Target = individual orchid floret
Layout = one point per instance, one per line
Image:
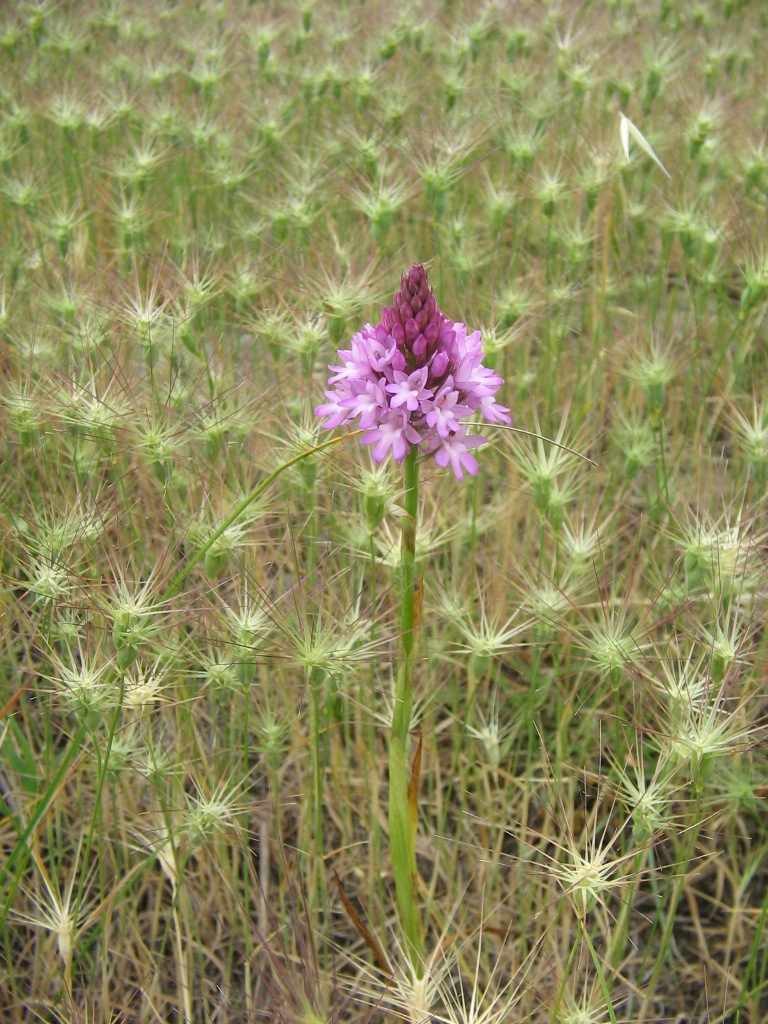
(413, 380)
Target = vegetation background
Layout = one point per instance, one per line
(199, 203)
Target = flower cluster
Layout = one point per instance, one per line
(412, 379)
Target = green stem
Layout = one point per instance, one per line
(752, 968)
(401, 718)
(403, 810)
(245, 862)
(668, 913)
(659, 433)
(368, 694)
(598, 971)
(316, 682)
(23, 848)
(621, 936)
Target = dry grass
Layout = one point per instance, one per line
(198, 205)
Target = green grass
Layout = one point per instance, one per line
(199, 204)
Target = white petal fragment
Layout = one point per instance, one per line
(626, 128)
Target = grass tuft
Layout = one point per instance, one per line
(199, 204)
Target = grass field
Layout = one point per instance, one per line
(202, 639)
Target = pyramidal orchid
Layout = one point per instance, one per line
(413, 380)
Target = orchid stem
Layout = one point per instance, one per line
(403, 808)
(401, 718)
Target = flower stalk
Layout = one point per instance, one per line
(401, 718)
(412, 382)
(403, 785)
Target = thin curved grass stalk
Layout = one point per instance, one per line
(241, 507)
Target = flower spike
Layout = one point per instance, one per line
(413, 379)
